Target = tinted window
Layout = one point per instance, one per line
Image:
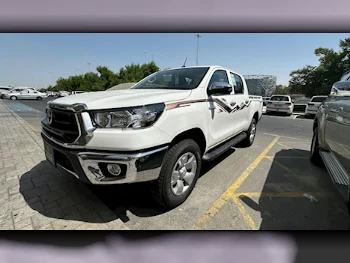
(237, 83)
(279, 98)
(219, 76)
(318, 99)
(184, 78)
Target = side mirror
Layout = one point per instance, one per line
(220, 88)
(292, 101)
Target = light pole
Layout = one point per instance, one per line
(197, 36)
(51, 78)
(144, 51)
(89, 66)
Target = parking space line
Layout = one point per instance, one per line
(287, 157)
(284, 194)
(206, 218)
(292, 149)
(298, 176)
(247, 218)
(292, 138)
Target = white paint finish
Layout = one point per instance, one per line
(217, 124)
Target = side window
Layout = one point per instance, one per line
(219, 76)
(237, 83)
(345, 87)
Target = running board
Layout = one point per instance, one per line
(216, 152)
(337, 173)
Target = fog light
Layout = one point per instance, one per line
(114, 169)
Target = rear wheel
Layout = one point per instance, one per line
(315, 156)
(2, 96)
(13, 98)
(179, 174)
(247, 142)
(39, 98)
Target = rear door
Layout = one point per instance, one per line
(242, 103)
(220, 114)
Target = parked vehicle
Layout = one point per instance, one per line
(312, 106)
(160, 130)
(63, 94)
(77, 92)
(330, 145)
(265, 100)
(4, 90)
(26, 95)
(14, 90)
(280, 104)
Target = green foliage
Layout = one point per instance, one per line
(104, 78)
(318, 80)
(282, 90)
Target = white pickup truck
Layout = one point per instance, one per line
(160, 130)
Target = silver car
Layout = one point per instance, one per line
(26, 95)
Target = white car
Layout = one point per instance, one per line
(280, 104)
(161, 130)
(26, 95)
(4, 90)
(63, 94)
(312, 107)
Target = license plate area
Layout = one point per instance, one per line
(49, 154)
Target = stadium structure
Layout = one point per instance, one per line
(261, 85)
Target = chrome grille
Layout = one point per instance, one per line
(64, 126)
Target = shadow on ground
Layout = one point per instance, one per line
(56, 194)
(295, 176)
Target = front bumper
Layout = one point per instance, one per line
(88, 165)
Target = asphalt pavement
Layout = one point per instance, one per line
(260, 187)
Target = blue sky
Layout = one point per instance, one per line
(39, 59)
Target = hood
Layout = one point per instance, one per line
(123, 98)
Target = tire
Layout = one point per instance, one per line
(2, 96)
(39, 98)
(13, 98)
(163, 189)
(247, 142)
(315, 156)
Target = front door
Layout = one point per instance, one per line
(221, 117)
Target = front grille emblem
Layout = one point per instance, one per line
(49, 116)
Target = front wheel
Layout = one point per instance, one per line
(13, 98)
(178, 176)
(39, 98)
(247, 142)
(315, 156)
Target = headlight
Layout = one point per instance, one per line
(135, 118)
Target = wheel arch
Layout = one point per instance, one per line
(195, 134)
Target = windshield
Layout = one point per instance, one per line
(318, 99)
(184, 78)
(279, 98)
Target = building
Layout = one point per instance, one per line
(261, 85)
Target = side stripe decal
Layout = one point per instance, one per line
(230, 108)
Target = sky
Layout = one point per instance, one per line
(38, 60)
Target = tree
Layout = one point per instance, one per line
(318, 80)
(104, 78)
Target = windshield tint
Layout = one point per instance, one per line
(279, 98)
(318, 99)
(184, 78)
